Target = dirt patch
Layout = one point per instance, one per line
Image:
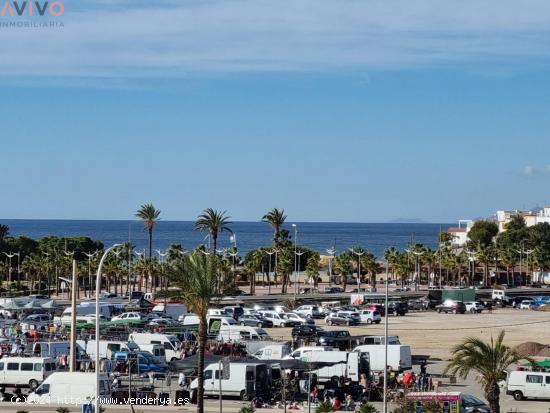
(530, 348)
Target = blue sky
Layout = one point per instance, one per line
(360, 111)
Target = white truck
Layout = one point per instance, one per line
(170, 343)
(343, 364)
(62, 388)
(399, 356)
(527, 385)
(245, 380)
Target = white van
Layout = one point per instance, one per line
(70, 388)
(275, 317)
(157, 351)
(83, 309)
(53, 349)
(241, 333)
(106, 348)
(527, 385)
(170, 343)
(273, 352)
(399, 356)
(245, 380)
(380, 340)
(25, 371)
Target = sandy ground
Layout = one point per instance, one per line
(429, 333)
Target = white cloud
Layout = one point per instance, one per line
(165, 38)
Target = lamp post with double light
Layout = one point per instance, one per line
(97, 336)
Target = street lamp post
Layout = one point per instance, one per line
(359, 254)
(269, 253)
(90, 256)
(295, 261)
(330, 252)
(385, 397)
(163, 285)
(10, 255)
(416, 266)
(97, 288)
(299, 255)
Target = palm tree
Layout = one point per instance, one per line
(489, 360)
(213, 222)
(4, 231)
(196, 276)
(149, 215)
(276, 218)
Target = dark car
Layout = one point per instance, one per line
(135, 295)
(449, 306)
(346, 318)
(305, 331)
(376, 307)
(398, 308)
(333, 290)
(255, 321)
(336, 338)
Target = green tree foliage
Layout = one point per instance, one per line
(482, 233)
(487, 360)
(149, 215)
(214, 222)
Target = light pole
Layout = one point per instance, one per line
(385, 397)
(10, 255)
(359, 254)
(330, 252)
(416, 266)
(90, 256)
(269, 253)
(527, 254)
(162, 255)
(295, 261)
(69, 255)
(97, 288)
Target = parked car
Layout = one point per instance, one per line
(297, 318)
(309, 311)
(335, 338)
(398, 308)
(305, 331)
(130, 316)
(370, 316)
(276, 319)
(255, 321)
(38, 318)
(376, 307)
(347, 318)
(527, 304)
(516, 301)
(474, 307)
(134, 295)
(333, 290)
(450, 306)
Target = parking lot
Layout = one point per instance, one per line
(433, 334)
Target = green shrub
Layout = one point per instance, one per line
(324, 407)
(366, 408)
(247, 409)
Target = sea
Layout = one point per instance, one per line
(320, 236)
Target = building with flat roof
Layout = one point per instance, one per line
(530, 217)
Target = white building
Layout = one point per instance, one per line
(531, 218)
(460, 233)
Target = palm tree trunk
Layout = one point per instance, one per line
(150, 243)
(492, 394)
(200, 365)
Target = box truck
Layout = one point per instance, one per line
(399, 356)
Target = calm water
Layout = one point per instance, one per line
(319, 236)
